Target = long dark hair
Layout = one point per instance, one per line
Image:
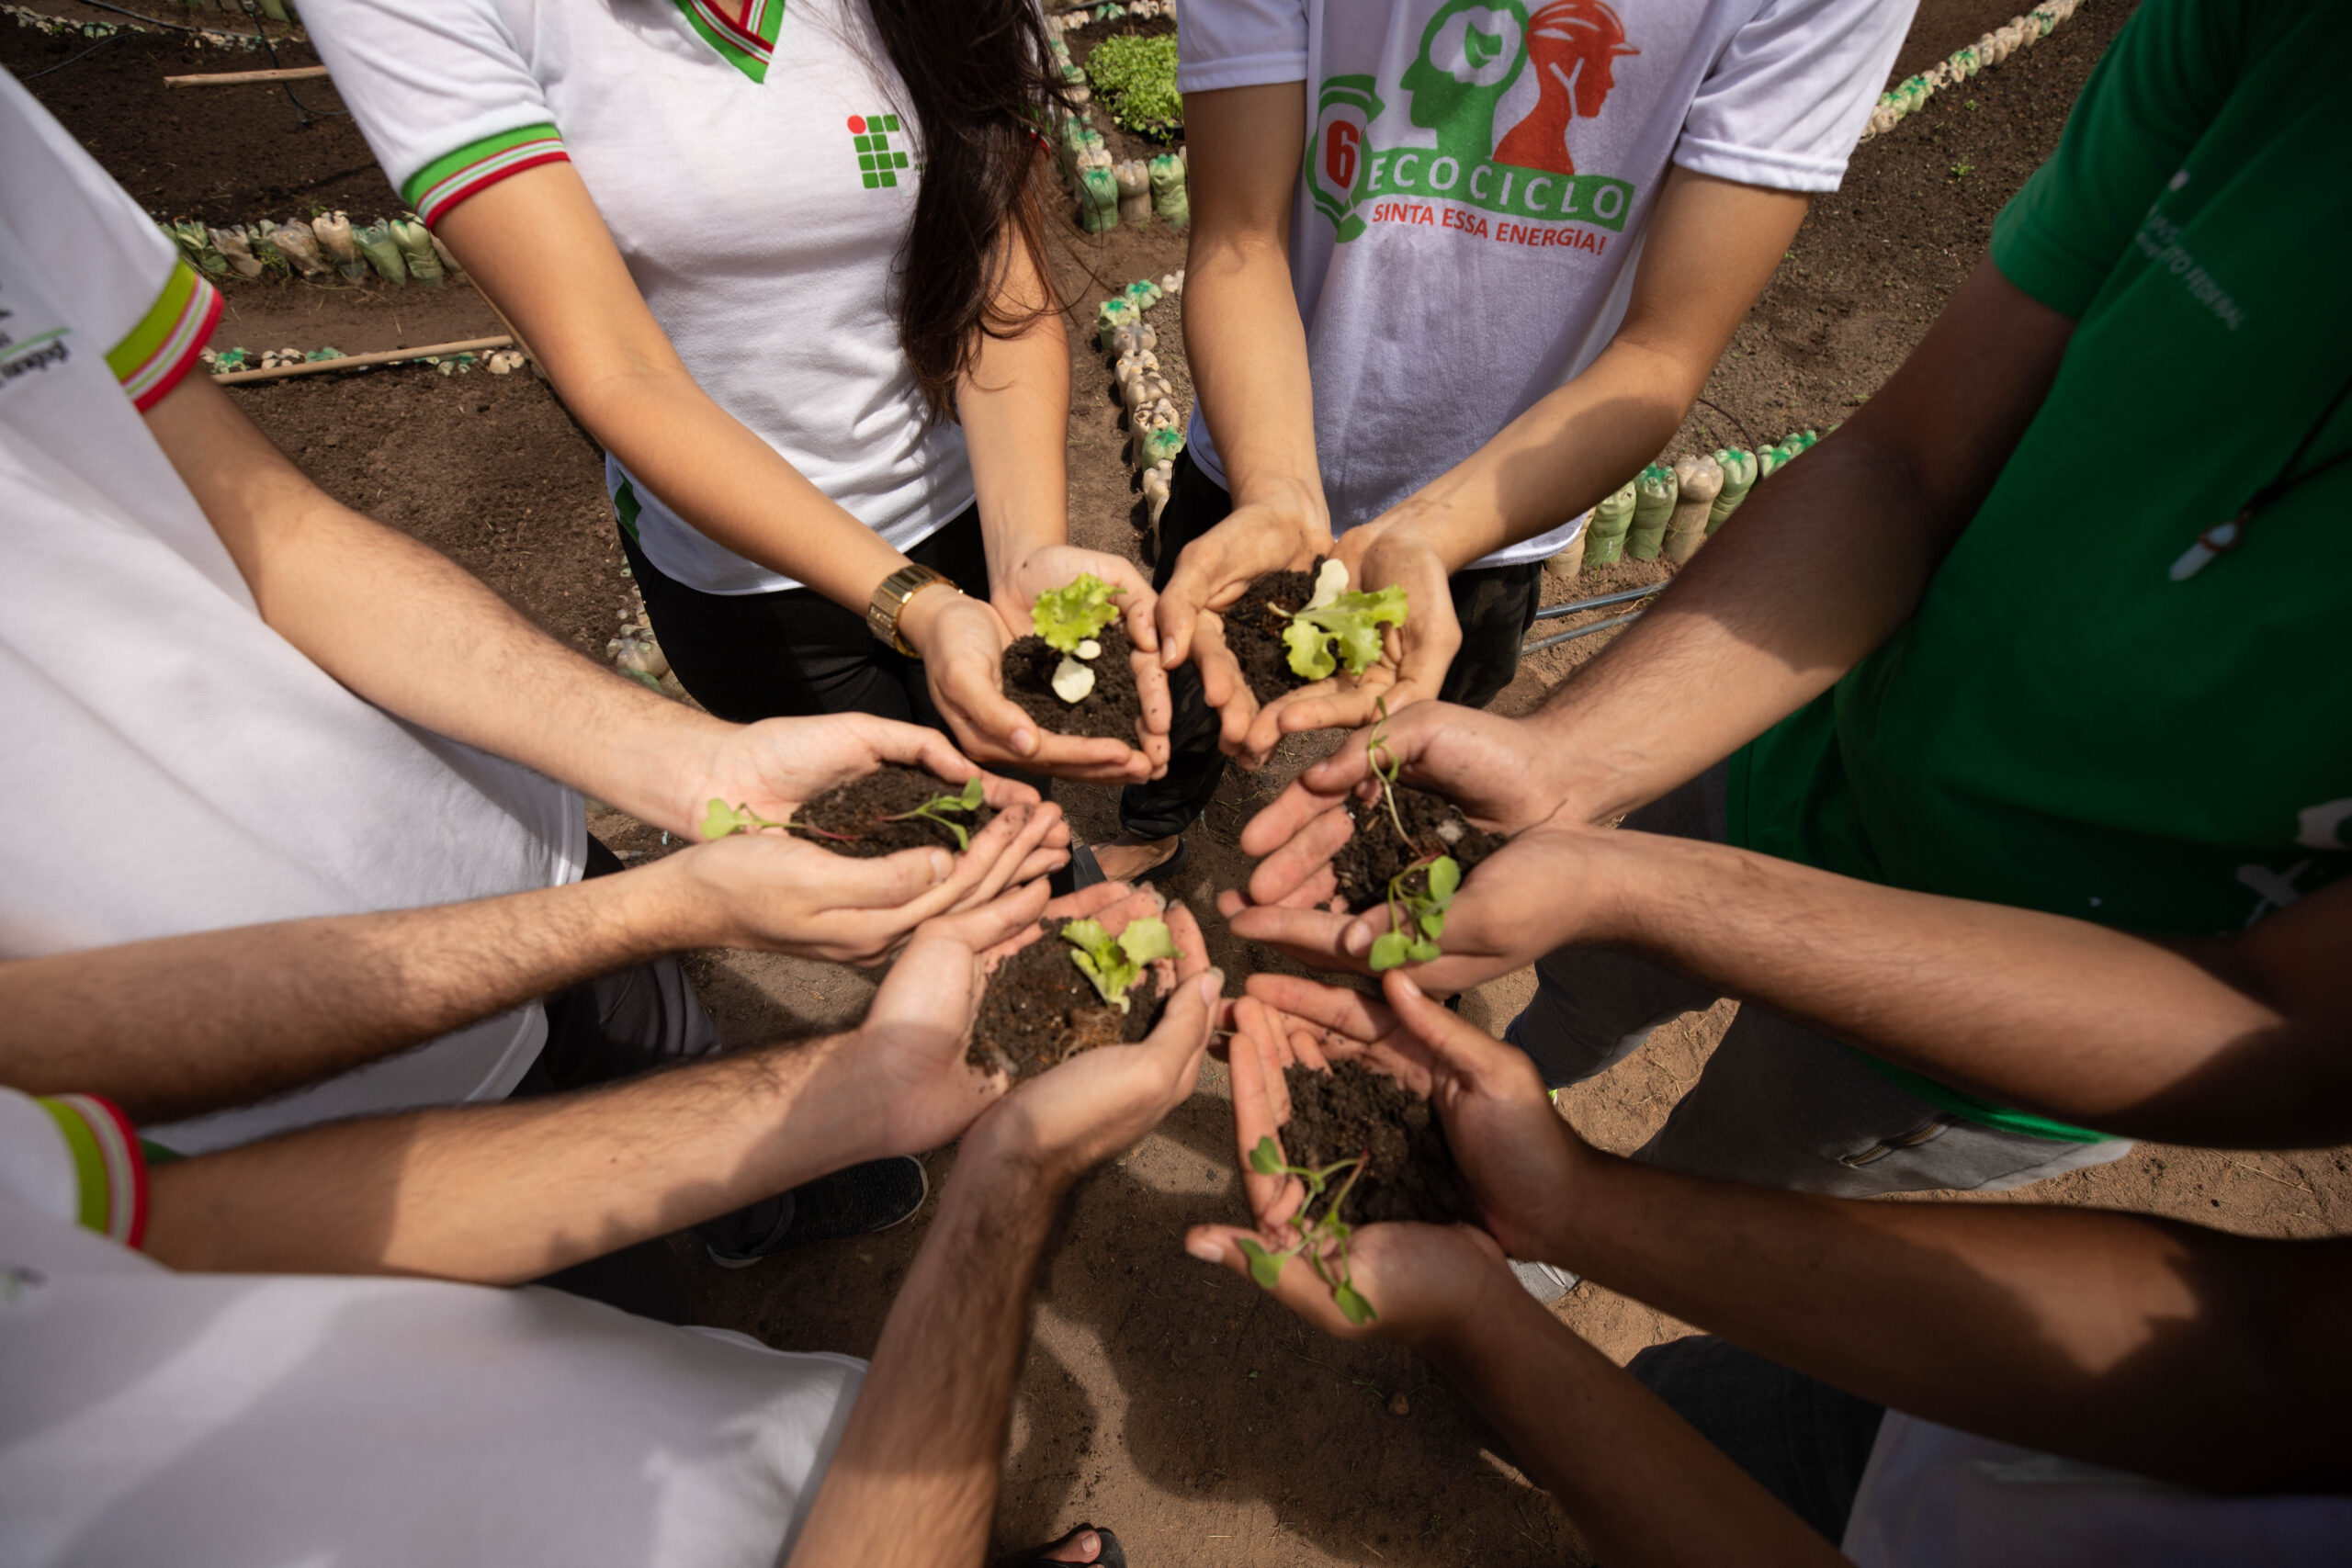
(982, 103)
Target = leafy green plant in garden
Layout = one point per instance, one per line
(1070, 615)
(1135, 78)
(1416, 915)
(1322, 1238)
(1115, 962)
(1350, 625)
(722, 819)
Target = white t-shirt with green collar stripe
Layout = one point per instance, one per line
(179, 765)
(759, 181)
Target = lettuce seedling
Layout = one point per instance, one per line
(1351, 623)
(1416, 916)
(722, 819)
(1116, 963)
(1067, 616)
(1318, 1236)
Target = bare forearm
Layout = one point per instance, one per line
(184, 1025)
(915, 1479)
(2074, 1021)
(504, 1193)
(1570, 450)
(1819, 568)
(2115, 1339)
(1014, 406)
(1643, 1486)
(1246, 349)
(411, 632)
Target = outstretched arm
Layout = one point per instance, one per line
(179, 1026)
(915, 1480)
(2163, 1348)
(500, 1193)
(1710, 249)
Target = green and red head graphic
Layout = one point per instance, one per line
(1472, 54)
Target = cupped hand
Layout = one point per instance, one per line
(909, 1053)
(1058, 566)
(1421, 1280)
(1380, 554)
(962, 641)
(1525, 1167)
(1212, 572)
(778, 765)
(1072, 1118)
(779, 892)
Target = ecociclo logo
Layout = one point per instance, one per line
(1472, 54)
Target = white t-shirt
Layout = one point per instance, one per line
(759, 184)
(178, 766)
(1478, 177)
(243, 1420)
(1933, 1497)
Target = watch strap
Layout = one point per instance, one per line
(890, 598)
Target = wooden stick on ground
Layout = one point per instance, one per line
(362, 361)
(234, 78)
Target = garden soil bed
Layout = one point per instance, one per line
(1368, 861)
(1409, 1171)
(861, 808)
(1040, 1010)
(1111, 711)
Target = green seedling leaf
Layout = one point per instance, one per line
(1265, 1268)
(1068, 615)
(722, 819)
(1351, 625)
(1433, 923)
(975, 791)
(1266, 1159)
(1445, 877)
(1146, 940)
(1114, 964)
(1423, 953)
(1388, 950)
(1351, 1305)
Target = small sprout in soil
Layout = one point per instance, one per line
(1116, 963)
(1416, 915)
(1068, 618)
(1326, 1233)
(722, 819)
(1351, 622)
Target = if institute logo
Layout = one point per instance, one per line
(878, 162)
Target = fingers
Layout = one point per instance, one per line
(1311, 936)
(1296, 1288)
(1192, 946)
(1293, 862)
(1039, 823)
(1338, 1008)
(1222, 686)
(999, 920)
(1261, 1106)
(1138, 607)
(935, 985)
(888, 882)
(1158, 707)
(1461, 1046)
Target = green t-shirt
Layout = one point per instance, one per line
(2062, 726)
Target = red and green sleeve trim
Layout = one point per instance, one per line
(107, 1164)
(434, 189)
(747, 45)
(160, 349)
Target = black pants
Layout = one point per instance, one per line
(1494, 605)
(794, 652)
(1802, 1441)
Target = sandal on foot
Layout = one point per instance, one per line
(1108, 1552)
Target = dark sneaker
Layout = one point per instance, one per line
(858, 1201)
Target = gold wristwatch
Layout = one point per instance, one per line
(890, 601)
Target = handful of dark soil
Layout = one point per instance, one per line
(1039, 1011)
(1435, 825)
(1253, 630)
(1408, 1172)
(852, 819)
(1111, 711)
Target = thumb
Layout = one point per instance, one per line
(935, 983)
(1461, 1046)
(1220, 1245)
(889, 881)
(1184, 1025)
(1174, 613)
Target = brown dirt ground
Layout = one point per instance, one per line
(1166, 1400)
